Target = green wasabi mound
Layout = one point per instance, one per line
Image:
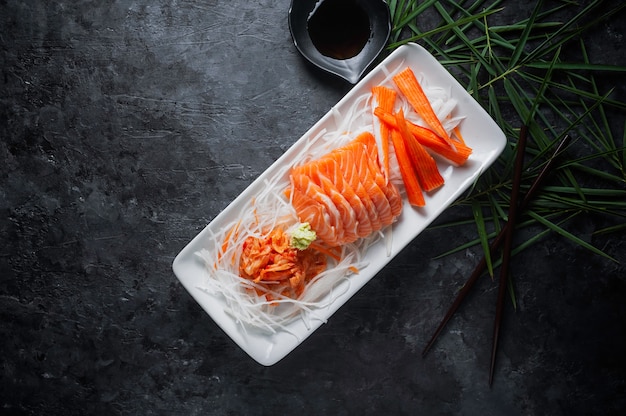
(302, 236)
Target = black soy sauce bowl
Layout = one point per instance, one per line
(350, 69)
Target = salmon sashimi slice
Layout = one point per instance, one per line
(391, 192)
(345, 195)
(346, 159)
(364, 167)
(332, 169)
(328, 227)
(369, 141)
(314, 213)
(316, 171)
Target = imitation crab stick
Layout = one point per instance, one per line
(423, 163)
(411, 184)
(457, 154)
(412, 90)
(385, 99)
(429, 139)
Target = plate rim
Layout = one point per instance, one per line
(270, 354)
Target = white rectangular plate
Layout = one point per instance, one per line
(480, 133)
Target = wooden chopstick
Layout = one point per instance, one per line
(508, 243)
(495, 244)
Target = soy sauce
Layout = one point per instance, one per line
(339, 29)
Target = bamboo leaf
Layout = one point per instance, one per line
(523, 39)
(624, 152)
(564, 33)
(552, 226)
(442, 29)
(511, 290)
(612, 229)
(542, 89)
(571, 66)
(482, 234)
(517, 72)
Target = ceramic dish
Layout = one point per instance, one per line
(480, 132)
(349, 69)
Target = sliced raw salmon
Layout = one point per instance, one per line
(392, 192)
(315, 207)
(345, 157)
(317, 172)
(330, 167)
(344, 195)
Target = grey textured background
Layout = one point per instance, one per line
(127, 125)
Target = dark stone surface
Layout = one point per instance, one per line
(126, 126)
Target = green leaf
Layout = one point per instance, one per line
(564, 66)
(482, 234)
(441, 29)
(552, 226)
(526, 71)
(523, 39)
(542, 88)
